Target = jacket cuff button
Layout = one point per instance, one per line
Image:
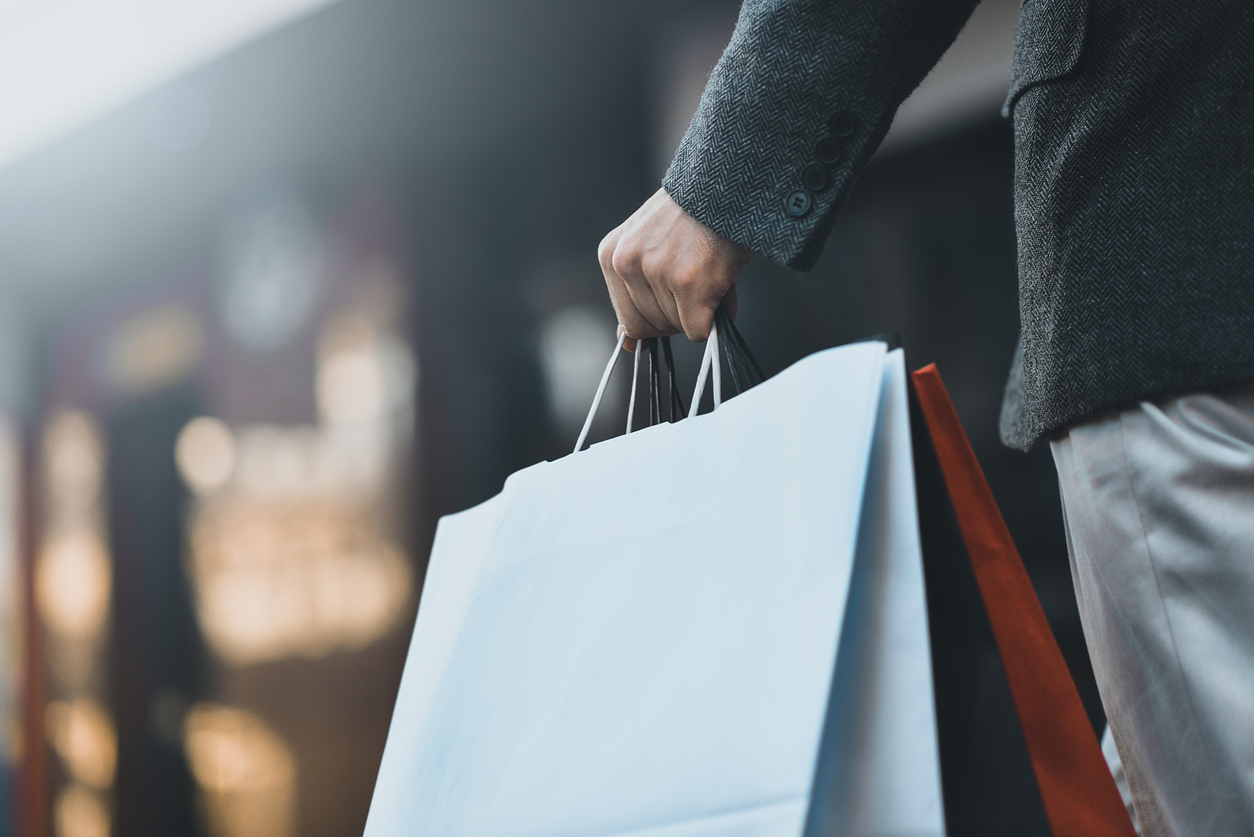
(829, 149)
(842, 123)
(815, 177)
(798, 203)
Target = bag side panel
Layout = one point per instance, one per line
(878, 773)
(457, 553)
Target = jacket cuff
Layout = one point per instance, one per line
(798, 103)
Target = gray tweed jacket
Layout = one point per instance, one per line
(1134, 175)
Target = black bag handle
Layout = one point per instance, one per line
(742, 367)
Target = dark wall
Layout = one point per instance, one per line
(158, 653)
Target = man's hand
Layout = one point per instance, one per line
(666, 271)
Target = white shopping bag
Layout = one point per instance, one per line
(711, 627)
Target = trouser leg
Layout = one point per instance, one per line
(1158, 502)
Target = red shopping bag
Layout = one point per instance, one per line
(963, 535)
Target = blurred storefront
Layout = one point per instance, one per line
(225, 562)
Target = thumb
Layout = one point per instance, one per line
(629, 345)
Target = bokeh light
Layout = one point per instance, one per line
(154, 349)
(205, 454)
(73, 462)
(351, 386)
(289, 554)
(73, 587)
(80, 812)
(246, 773)
(73, 582)
(83, 736)
(298, 579)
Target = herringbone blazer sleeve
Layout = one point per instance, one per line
(799, 101)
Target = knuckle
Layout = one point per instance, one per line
(696, 322)
(623, 262)
(696, 334)
(688, 280)
(605, 253)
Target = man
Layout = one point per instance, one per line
(1134, 208)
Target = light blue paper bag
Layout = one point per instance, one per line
(641, 639)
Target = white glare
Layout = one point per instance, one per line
(271, 274)
(574, 345)
(66, 62)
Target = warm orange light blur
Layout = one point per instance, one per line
(351, 387)
(84, 737)
(364, 372)
(73, 582)
(155, 349)
(246, 773)
(301, 578)
(289, 548)
(73, 463)
(79, 812)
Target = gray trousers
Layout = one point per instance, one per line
(1158, 502)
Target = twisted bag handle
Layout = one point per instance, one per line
(743, 371)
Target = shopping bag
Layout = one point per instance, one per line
(710, 627)
(982, 606)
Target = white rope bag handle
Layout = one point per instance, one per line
(709, 361)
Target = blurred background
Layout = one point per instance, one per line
(283, 281)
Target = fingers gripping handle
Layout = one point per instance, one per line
(709, 362)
